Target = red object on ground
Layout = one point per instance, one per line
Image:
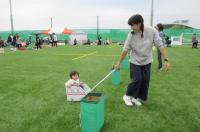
(21, 48)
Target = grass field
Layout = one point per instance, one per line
(32, 92)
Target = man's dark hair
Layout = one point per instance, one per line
(160, 27)
(72, 73)
(136, 19)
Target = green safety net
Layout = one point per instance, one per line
(115, 35)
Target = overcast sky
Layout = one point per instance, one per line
(81, 14)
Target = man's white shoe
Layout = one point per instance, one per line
(136, 102)
(127, 100)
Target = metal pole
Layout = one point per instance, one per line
(51, 22)
(11, 18)
(97, 27)
(103, 79)
(100, 81)
(152, 11)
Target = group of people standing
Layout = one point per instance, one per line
(17, 42)
(14, 40)
(100, 41)
(52, 39)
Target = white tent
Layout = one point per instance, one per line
(80, 37)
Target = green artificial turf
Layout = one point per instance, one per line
(32, 92)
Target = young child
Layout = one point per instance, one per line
(75, 89)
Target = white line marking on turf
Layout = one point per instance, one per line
(80, 57)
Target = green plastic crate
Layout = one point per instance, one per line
(125, 63)
(92, 113)
(116, 77)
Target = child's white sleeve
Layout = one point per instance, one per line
(68, 83)
(86, 88)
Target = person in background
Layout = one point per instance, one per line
(55, 39)
(160, 28)
(37, 42)
(10, 39)
(75, 41)
(88, 42)
(194, 41)
(66, 41)
(168, 41)
(29, 40)
(50, 40)
(99, 42)
(1, 43)
(14, 42)
(18, 41)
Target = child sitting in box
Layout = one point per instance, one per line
(76, 90)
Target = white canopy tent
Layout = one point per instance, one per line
(80, 37)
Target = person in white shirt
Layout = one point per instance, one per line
(55, 40)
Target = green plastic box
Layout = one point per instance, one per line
(125, 63)
(116, 77)
(92, 112)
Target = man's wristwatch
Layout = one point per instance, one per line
(166, 59)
